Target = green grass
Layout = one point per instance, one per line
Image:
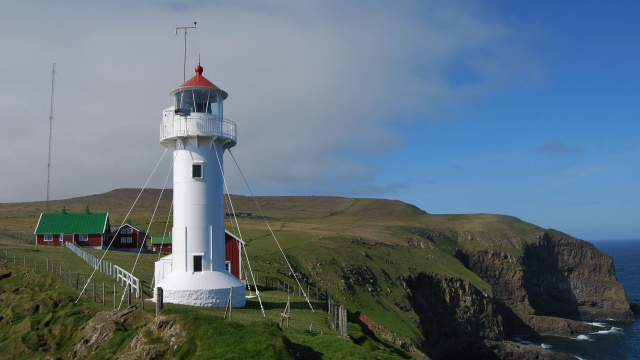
(51, 328)
(357, 250)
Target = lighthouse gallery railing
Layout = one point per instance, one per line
(196, 125)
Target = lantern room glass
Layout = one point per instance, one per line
(199, 101)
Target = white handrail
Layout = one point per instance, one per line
(197, 124)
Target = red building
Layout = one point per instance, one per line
(82, 229)
(127, 238)
(161, 244)
(233, 254)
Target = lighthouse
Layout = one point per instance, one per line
(195, 129)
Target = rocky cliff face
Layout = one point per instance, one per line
(557, 277)
(451, 311)
(459, 321)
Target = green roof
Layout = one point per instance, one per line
(72, 223)
(161, 240)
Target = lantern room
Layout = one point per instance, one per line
(198, 95)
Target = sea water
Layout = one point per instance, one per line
(622, 341)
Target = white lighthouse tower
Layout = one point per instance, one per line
(194, 128)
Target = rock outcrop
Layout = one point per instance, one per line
(102, 327)
(451, 311)
(557, 277)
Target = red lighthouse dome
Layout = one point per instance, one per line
(199, 81)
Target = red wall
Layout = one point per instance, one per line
(165, 248)
(93, 240)
(56, 240)
(232, 253)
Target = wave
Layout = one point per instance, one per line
(546, 346)
(584, 337)
(598, 324)
(613, 330)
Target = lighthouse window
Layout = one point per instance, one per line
(184, 102)
(201, 100)
(196, 171)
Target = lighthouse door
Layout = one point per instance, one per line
(197, 263)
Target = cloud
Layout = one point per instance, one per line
(308, 82)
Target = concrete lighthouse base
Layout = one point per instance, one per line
(205, 288)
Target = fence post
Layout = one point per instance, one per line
(114, 296)
(77, 280)
(94, 291)
(128, 289)
(24, 261)
(344, 332)
(159, 300)
(102, 294)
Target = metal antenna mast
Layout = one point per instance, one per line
(53, 78)
(184, 66)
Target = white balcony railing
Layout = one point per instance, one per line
(196, 124)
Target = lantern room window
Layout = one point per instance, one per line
(198, 101)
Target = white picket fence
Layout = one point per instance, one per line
(107, 268)
(124, 277)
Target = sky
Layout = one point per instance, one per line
(522, 108)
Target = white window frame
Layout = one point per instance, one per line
(48, 237)
(126, 240)
(83, 237)
(227, 266)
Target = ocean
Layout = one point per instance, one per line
(622, 342)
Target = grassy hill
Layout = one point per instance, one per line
(358, 251)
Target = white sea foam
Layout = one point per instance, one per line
(613, 330)
(546, 346)
(598, 324)
(584, 337)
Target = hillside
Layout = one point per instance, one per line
(437, 285)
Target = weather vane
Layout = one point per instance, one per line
(184, 65)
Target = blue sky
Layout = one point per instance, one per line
(510, 107)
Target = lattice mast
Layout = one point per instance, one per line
(53, 79)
